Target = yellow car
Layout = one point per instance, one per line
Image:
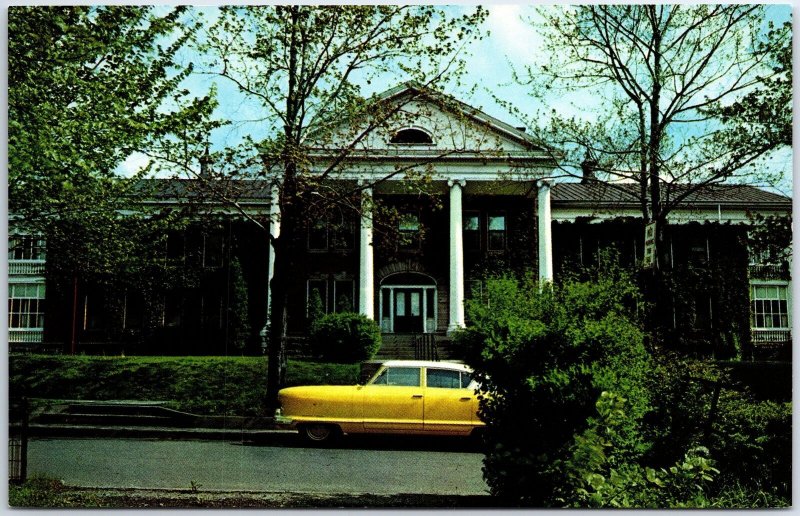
(402, 397)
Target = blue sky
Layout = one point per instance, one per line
(510, 39)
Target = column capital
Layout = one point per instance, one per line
(460, 182)
(544, 183)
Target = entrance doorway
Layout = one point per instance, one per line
(407, 307)
(408, 310)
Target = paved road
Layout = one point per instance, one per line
(377, 466)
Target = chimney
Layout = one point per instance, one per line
(521, 129)
(588, 166)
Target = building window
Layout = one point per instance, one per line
(330, 295)
(699, 250)
(212, 251)
(318, 235)
(343, 295)
(769, 306)
(472, 231)
(497, 232)
(26, 248)
(337, 233)
(317, 292)
(411, 136)
(409, 228)
(176, 244)
(342, 233)
(26, 305)
(173, 307)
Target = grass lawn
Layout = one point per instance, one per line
(202, 385)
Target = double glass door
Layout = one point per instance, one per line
(407, 309)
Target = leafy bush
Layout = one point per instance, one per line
(596, 477)
(543, 356)
(345, 337)
(750, 438)
(752, 443)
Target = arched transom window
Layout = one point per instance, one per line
(411, 136)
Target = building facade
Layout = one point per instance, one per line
(449, 196)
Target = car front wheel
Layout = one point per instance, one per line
(318, 433)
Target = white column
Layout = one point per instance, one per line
(456, 257)
(274, 231)
(366, 261)
(545, 232)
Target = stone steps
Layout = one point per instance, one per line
(401, 347)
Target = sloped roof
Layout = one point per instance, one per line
(254, 190)
(626, 194)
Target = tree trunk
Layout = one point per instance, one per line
(284, 246)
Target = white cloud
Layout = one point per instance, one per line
(133, 164)
(512, 32)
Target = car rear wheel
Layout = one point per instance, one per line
(318, 433)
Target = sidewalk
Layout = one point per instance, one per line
(145, 419)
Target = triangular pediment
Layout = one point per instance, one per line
(413, 121)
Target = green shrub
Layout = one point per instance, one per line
(752, 443)
(345, 337)
(750, 438)
(596, 477)
(543, 356)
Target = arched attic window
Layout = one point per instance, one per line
(411, 136)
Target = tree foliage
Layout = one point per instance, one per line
(763, 114)
(664, 74)
(543, 357)
(303, 67)
(87, 87)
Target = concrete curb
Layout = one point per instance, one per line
(160, 432)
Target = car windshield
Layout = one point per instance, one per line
(406, 376)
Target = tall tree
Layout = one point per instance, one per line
(662, 72)
(765, 113)
(303, 66)
(88, 86)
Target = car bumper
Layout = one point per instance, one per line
(281, 419)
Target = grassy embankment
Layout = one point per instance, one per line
(201, 385)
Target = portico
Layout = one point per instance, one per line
(407, 299)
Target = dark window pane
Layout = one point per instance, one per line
(444, 378)
(343, 235)
(497, 232)
(318, 235)
(411, 136)
(212, 251)
(472, 234)
(344, 295)
(466, 379)
(409, 227)
(318, 292)
(403, 376)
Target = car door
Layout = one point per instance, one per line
(450, 407)
(394, 401)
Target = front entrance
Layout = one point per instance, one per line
(408, 308)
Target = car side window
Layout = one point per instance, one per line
(445, 378)
(466, 379)
(404, 376)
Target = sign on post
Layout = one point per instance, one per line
(650, 245)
